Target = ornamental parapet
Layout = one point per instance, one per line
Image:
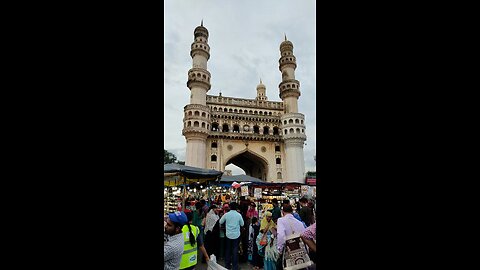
(252, 103)
(201, 81)
(287, 61)
(246, 117)
(244, 136)
(196, 107)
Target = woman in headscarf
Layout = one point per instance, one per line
(267, 222)
(212, 231)
(267, 242)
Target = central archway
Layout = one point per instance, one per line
(253, 165)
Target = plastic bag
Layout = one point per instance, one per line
(213, 265)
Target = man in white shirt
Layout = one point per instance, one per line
(286, 226)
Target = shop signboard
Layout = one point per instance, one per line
(311, 181)
(257, 193)
(244, 190)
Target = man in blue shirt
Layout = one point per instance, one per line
(233, 220)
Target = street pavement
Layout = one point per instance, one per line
(204, 266)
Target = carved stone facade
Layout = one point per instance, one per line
(264, 138)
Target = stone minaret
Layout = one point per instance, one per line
(261, 95)
(197, 115)
(293, 122)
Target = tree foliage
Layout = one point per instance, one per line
(169, 157)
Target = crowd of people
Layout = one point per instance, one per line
(236, 232)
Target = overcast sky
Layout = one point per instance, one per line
(244, 39)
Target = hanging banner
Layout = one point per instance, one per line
(244, 190)
(257, 193)
(304, 190)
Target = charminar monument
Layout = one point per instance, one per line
(264, 138)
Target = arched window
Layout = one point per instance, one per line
(189, 123)
(298, 130)
(256, 130)
(235, 111)
(196, 124)
(278, 161)
(265, 130)
(261, 113)
(250, 112)
(291, 130)
(275, 130)
(285, 132)
(213, 158)
(296, 121)
(230, 110)
(203, 125)
(255, 112)
(214, 145)
(279, 175)
(236, 128)
(241, 111)
(285, 122)
(214, 126)
(225, 128)
(277, 148)
(197, 113)
(270, 113)
(215, 109)
(290, 121)
(303, 130)
(225, 110)
(204, 114)
(190, 113)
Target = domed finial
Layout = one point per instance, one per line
(220, 94)
(202, 23)
(260, 80)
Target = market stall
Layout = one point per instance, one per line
(177, 180)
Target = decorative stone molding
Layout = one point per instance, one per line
(289, 84)
(197, 107)
(287, 61)
(295, 137)
(289, 93)
(199, 83)
(287, 45)
(200, 46)
(191, 132)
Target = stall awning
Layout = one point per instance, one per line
(240, 178)
(176, 174)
